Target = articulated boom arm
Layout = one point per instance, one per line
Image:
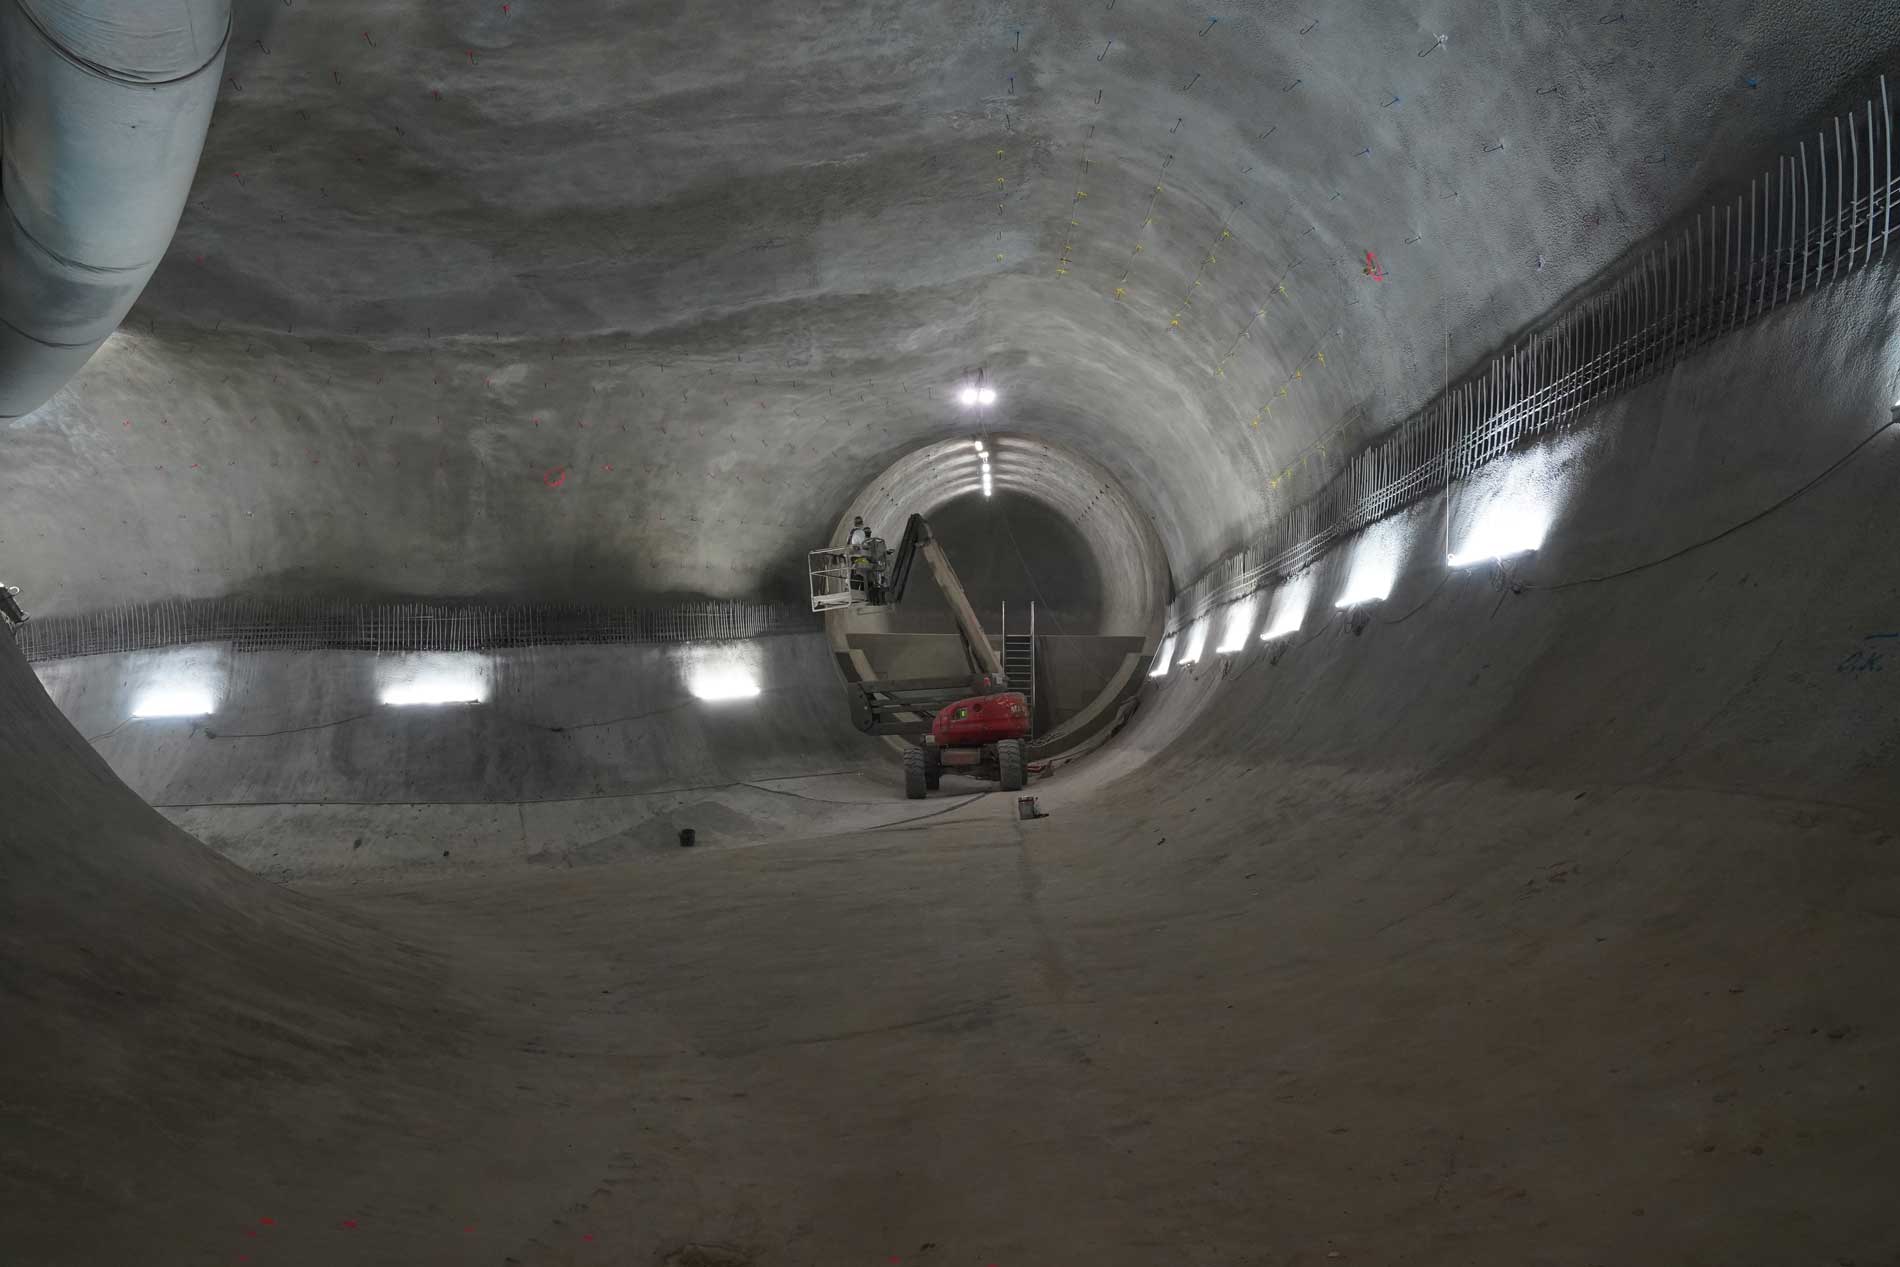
(919, 540)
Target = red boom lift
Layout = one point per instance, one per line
(975, 724)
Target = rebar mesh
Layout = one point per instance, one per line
(250, 624)
(1814, 218)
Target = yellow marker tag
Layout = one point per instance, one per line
(1062, 272)
(1081, 193)
(1297, 374)
(999, 259)
(999, 153)
(1174, 323)
(1322, 357)
(1120, 291)
(1000, 179)
(1283, 391)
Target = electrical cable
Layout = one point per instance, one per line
(1758, 516)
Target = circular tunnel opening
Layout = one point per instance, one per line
(1052, 529)
(1010, 550)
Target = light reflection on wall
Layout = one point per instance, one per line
(434, 677)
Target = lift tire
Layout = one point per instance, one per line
(933, 769)
(916, 778)
(1009, 764)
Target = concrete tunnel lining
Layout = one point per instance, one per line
(1546, 920)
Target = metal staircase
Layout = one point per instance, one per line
(1019, 661)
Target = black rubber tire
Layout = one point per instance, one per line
(916, 777)
(933, 768)
(1009, 764)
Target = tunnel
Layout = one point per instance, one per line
(1430, 472)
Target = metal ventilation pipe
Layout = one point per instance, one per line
(103, 110)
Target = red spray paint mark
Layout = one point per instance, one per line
(471, 56)
(536, 421)
(436, 93)
(589, 1236)
(1372, 268)
(606, 466)
(555, 476)
(201, 259)
(267, 1220)
(127, 424)
(350, 1224)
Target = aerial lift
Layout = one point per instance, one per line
(974, 723)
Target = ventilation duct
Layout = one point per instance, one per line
(103, 110)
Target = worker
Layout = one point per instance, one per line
(860, 546)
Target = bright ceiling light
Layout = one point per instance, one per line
(175, 701)
(967, 395)
(1163, 658)
(1239, 625)
(978, 444)
(719, 682)
(1289, 609)
(986, 396)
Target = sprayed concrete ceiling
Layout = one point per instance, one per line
(610, 300)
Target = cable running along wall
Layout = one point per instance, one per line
(1824, 210)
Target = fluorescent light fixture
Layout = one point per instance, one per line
(978, 444)
(1375, 565)
(1365, 590)
(186, 682)
(436, 677)
(725, 681)
(986, 484)
(1505, 527)
(1239, 625)
(1196, 641)
(175, 701)
(1289, 609)
(1163, 658)
(986, 396)
(967, 395)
